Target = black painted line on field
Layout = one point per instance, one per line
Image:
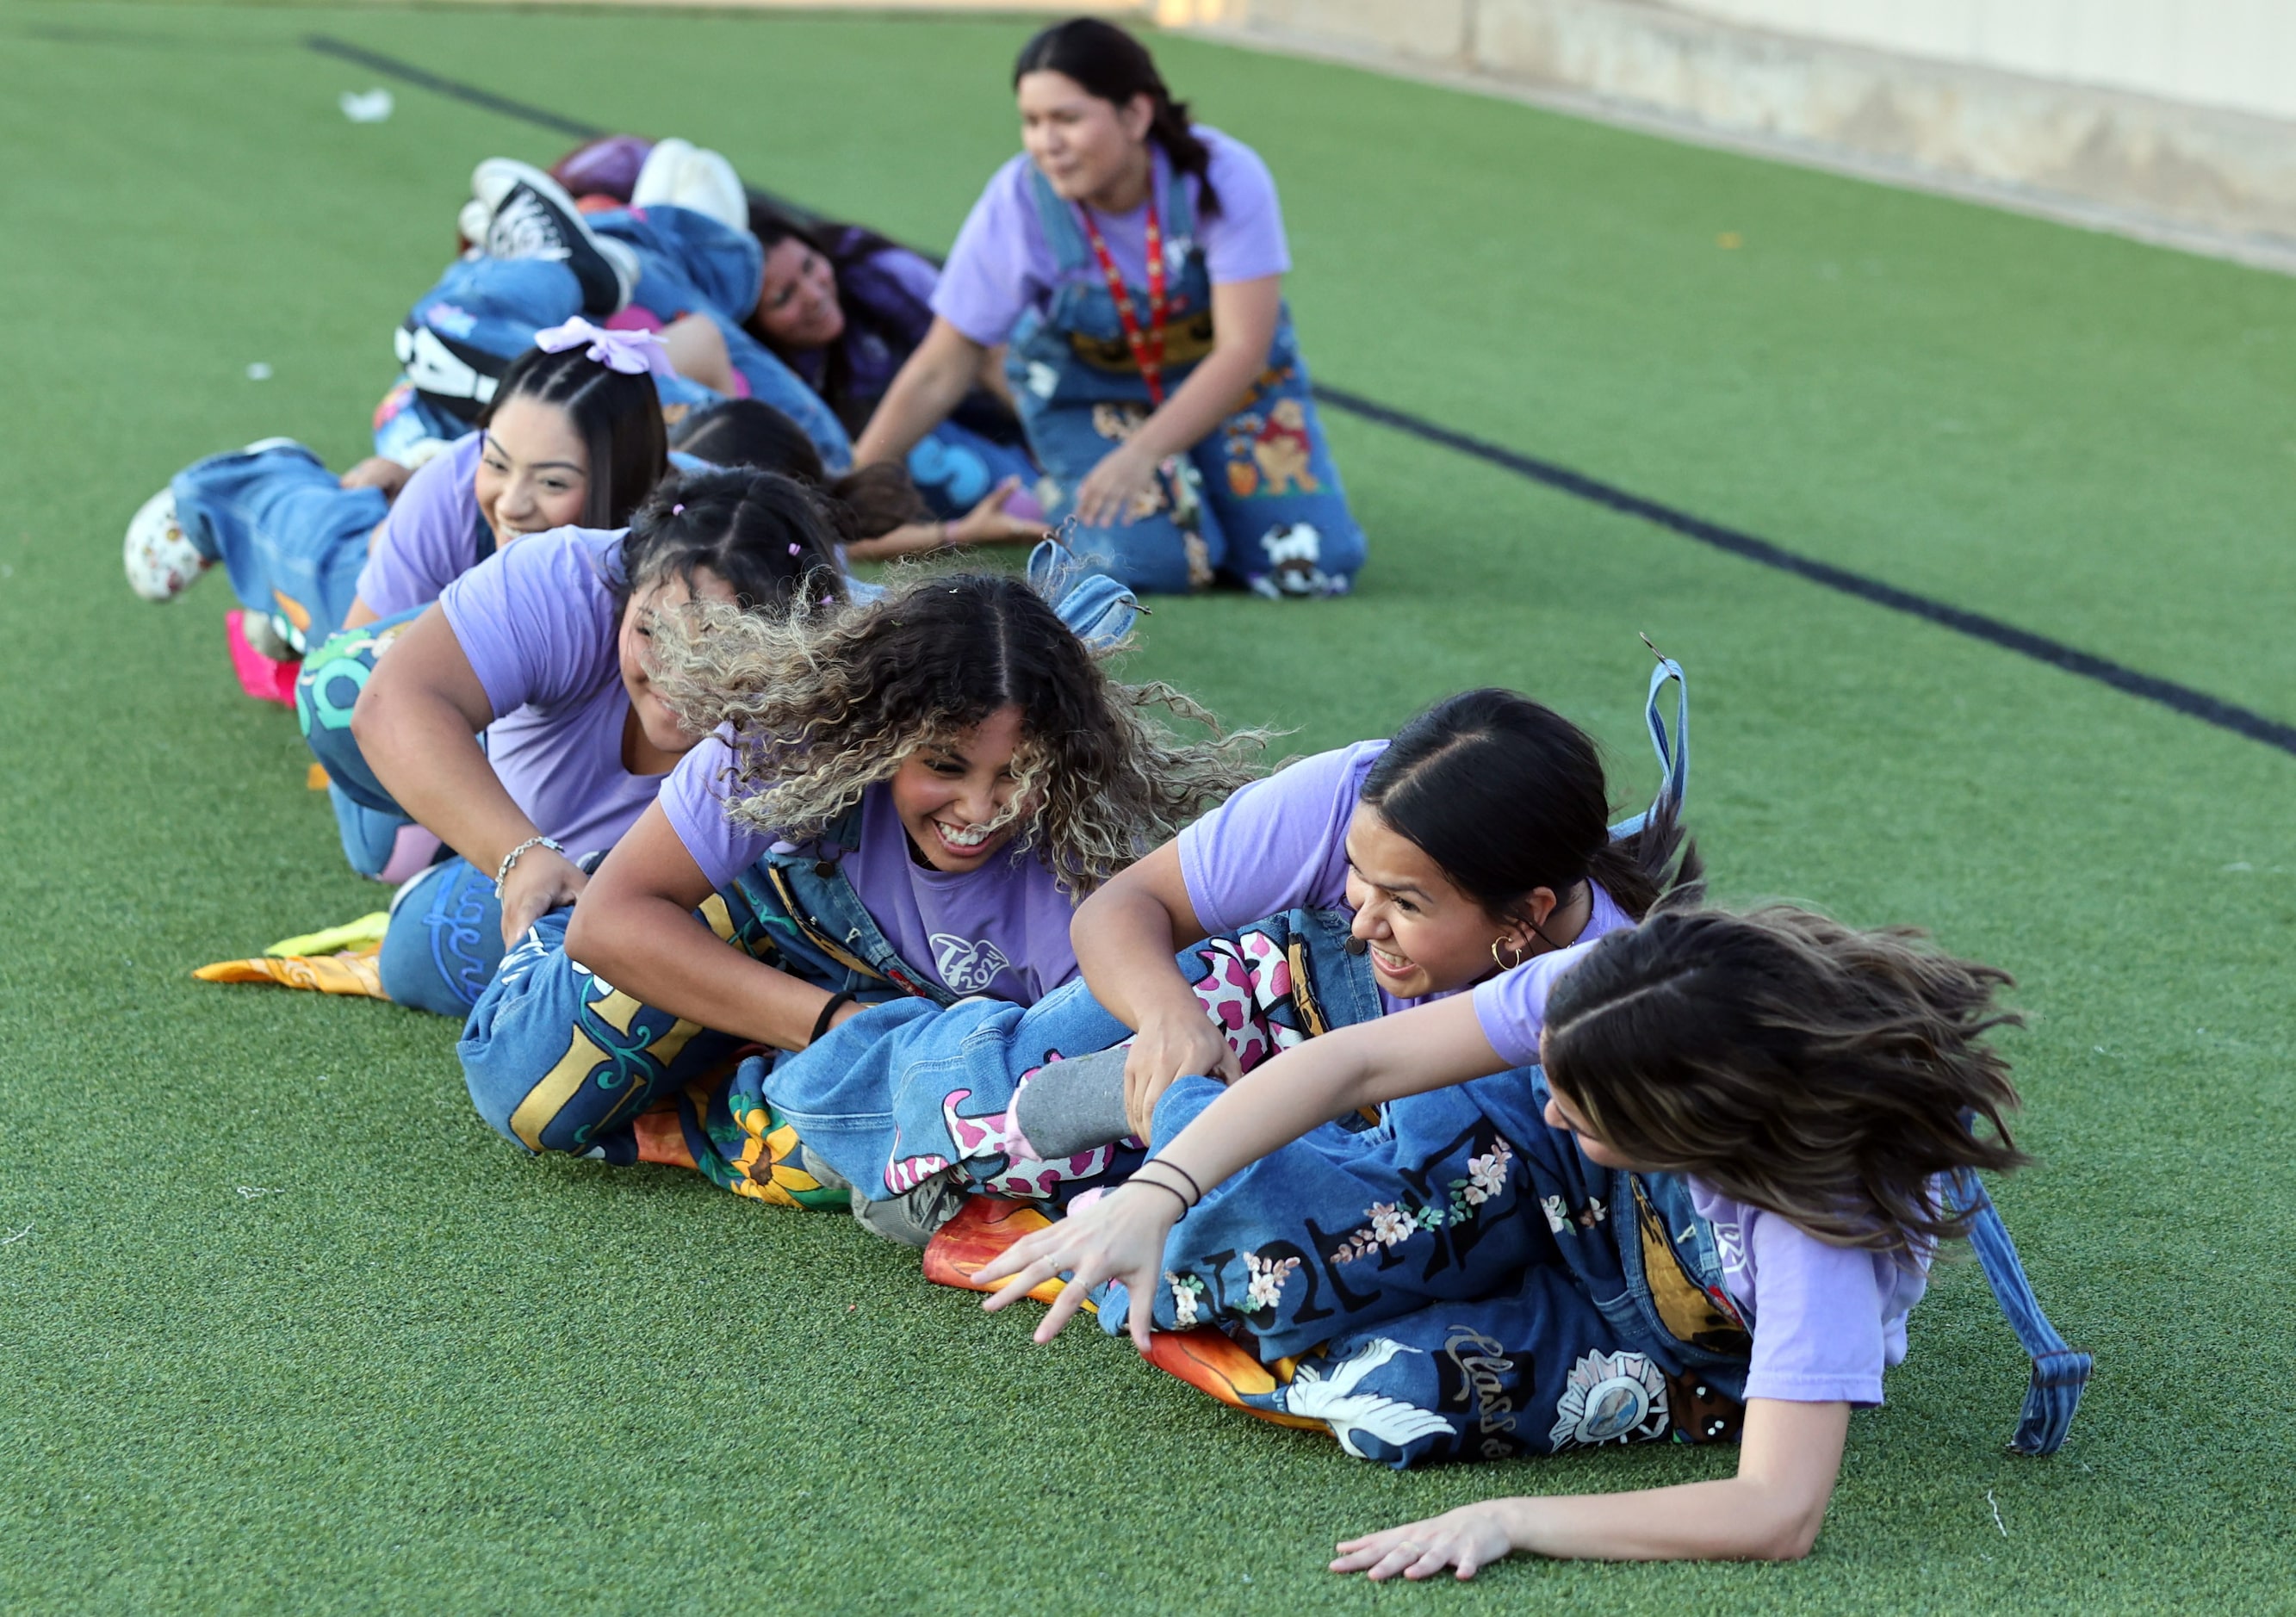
(407, 72)
(1747, 547)
(2183, 699)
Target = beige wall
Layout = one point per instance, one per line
(2171, 119)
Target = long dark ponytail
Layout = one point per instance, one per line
(1113, 65)
(1508, 797)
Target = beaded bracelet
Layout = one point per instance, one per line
(510, 860)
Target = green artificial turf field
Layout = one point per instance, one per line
(288, 1328)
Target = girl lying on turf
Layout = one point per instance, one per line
(544, 647)
(1698, 1159)
(568, 439)
(839, 304)
(1360, 881)
(906, 797)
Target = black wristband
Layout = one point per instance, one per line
(837, 1002)
(1157, 1162)
(1171, 1191)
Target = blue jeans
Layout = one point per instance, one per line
(906, 1090)
(955, 468)
(368, 819)
(444, 939)
(690, 262)
(495, 305)
(290, 535)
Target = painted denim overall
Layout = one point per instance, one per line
(557, 1059)
(1262, 501)
(909, 1090)
(291, 537)
(1470, 1284)
(445, 938)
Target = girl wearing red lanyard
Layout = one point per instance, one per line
(1130, 265)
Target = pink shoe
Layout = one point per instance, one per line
(264, 678)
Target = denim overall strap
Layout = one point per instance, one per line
(2060, 1371)
(1058, 220)
(808, 885)
(1673, 751)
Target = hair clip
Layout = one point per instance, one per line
(794, 549)
(630, 352)
(678, 510)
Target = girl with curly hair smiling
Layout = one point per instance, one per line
(904, 796)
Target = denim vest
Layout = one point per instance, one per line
(1074, 351)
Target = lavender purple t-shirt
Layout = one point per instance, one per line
(1002, 930)
(541, 626)
(1282, 844)
(1827, 1320)
(430, 538)
(1002, 266)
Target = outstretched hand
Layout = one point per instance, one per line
(1468, 1539)
(988, 522)
(1119, 1237)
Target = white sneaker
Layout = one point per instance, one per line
(472, 222)
(683, 174)
(161, 561)
(657, 180)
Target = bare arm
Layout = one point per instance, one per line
(986, 523)
(360, 614)
(1125, 936)
(1788, 1463)
(1121, 1236)
(417, 722)
(935, 379)
(992, 377)
(1243, 326)
(636, 927)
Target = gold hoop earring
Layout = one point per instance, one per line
(1506, 965)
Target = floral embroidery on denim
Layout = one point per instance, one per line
(1187, 1291)
(1267, 1283)
(1392, 1223)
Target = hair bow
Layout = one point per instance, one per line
(631, 353)
(1098, 608)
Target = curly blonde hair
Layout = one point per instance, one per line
(827, 699)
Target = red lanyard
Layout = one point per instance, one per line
(1147, 347)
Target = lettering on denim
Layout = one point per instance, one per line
(1482, 1373)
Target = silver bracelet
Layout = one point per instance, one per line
(510, 860)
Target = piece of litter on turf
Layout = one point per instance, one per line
(1996, 1512)
(371, 108)
(251, 1191)
(259, 372)
(19, 1234)
(851, 1306)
